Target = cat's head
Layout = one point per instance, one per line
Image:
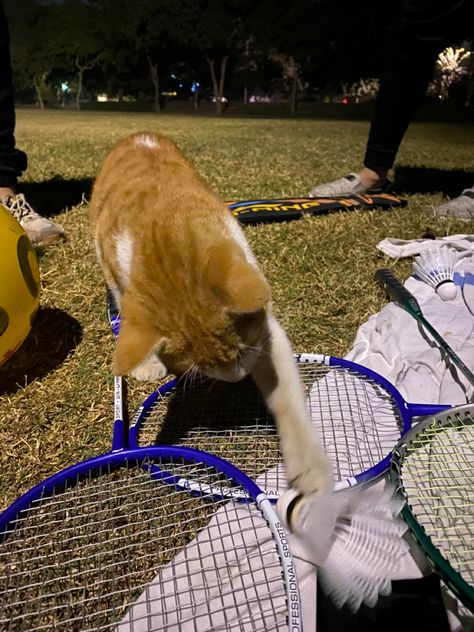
(216, 322)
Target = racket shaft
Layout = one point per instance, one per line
(452, 354)
(399, 293)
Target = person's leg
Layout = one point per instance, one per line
(13, 161)
(417, 33)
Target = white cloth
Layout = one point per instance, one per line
(397, 248)
(232, 562)
(395, 345)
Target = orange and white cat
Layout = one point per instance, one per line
(190, 292)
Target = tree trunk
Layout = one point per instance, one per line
(155, 79)
(79, 88)
(196, 98)
(218, 85)
(38, 84)
(293, 96)
(80, 80)
(294, 87)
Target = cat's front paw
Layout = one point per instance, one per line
(151, 369)
(309, 470)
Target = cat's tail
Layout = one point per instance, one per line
(354, 536)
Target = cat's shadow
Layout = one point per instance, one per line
(55, 195)
(214, 406)
(53, 336)
(450, 182)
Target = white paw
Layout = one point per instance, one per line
(308, 468)
(151, 369)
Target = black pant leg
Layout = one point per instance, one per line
(418, 32)
(12, 161)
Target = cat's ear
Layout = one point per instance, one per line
(246, 288)
(243, 287)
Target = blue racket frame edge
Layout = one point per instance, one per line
(117, 458)
(121, 452)
(406, 409)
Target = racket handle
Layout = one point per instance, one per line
(398, 292)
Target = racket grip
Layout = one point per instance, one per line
(397, 291)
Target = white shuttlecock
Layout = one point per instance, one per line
(355, 537)
(436, 267)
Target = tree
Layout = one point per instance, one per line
(288, 38)
(33, 49)
(142, 32)
(221, 29)
(155, 26)
(78, 38)
(217, 30)
(321, 41)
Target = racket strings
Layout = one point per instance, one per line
(88, 506)
(229, 420)
(356, 417)
(436, 470)
(80, 556)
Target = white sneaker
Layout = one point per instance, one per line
(349, 185)
(461, 207)
(40, 230)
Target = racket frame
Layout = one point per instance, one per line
(121, 453)
(120, 457)
(405, 299)
(406, 410)
(282, 209)
(452, 578)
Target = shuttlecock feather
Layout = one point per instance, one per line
(436, 267)
(355, 537)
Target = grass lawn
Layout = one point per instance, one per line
(56, 392)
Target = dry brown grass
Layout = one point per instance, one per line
(56, 392)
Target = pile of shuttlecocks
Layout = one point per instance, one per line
(436, 267)
(355, 537)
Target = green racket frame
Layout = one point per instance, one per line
(458, 417)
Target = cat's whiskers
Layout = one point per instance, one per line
(190, 376)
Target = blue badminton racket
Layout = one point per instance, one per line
(146, 536)
(358, 414)
(161, 530)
